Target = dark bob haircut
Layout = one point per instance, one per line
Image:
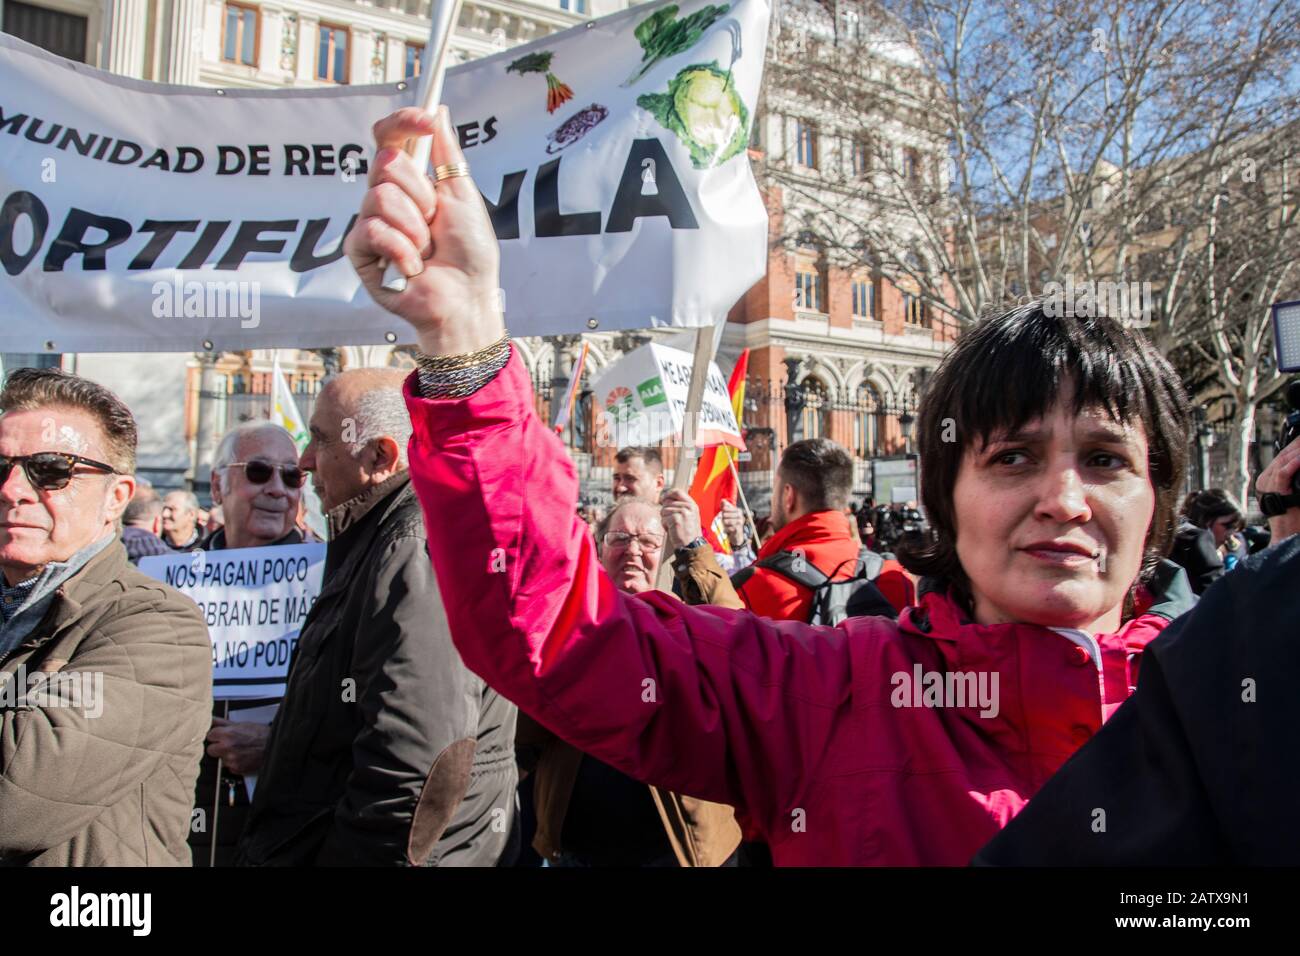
(1008, 370)
(1203, 508)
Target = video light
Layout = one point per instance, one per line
(1286, 333)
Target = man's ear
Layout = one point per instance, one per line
(383, 456)
(789, 498)
(214, 483)
(119, 496)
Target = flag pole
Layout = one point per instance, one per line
(685, 469)
(442, 20)
(740, 491)
(564, 411)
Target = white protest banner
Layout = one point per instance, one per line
(137, 216)
(253, 601)
(643, 395)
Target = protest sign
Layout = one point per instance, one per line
(253, 601)
(136, 216)
(894, 480)
(643, 398)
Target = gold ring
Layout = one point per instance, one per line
(449, 171)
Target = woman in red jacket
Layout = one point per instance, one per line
(1051, 449)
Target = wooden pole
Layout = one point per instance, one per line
(216, 798)
(740, 491)
(690, 454)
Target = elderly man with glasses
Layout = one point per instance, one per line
(105, 674)
(257, 483)
(588, 813)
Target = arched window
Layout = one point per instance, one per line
(816, 409)
(869, 424)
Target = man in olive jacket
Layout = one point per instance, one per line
(105, 674)
(386, 750)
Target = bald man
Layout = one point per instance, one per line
(386, 750)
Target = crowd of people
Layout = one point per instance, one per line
(494, 674)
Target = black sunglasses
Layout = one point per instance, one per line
(49, 470)
(260, 472)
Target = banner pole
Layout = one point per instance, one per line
(740, 491)
(216, 798)
(442, 21)
(686, 462)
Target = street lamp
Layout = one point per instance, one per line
(907, 422)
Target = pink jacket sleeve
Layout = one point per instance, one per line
(713, 703)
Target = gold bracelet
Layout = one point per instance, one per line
(462, 382)
(452, 363)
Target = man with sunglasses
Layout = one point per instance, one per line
(105, 674)
(257, 483)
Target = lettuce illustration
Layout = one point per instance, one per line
(704, 110)
(662, 35)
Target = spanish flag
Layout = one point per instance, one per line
(714, 477)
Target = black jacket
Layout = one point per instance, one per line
(1195, 550)
(1200, 765)
(386, 750)
(222, 796)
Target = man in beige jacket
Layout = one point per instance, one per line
(105, 674)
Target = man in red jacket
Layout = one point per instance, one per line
(808, 500)
(809, 496)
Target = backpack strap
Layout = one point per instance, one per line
(787, 564)
(864, 598)
(796, 567)
(872, 563)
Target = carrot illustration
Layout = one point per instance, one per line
(557, 92)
